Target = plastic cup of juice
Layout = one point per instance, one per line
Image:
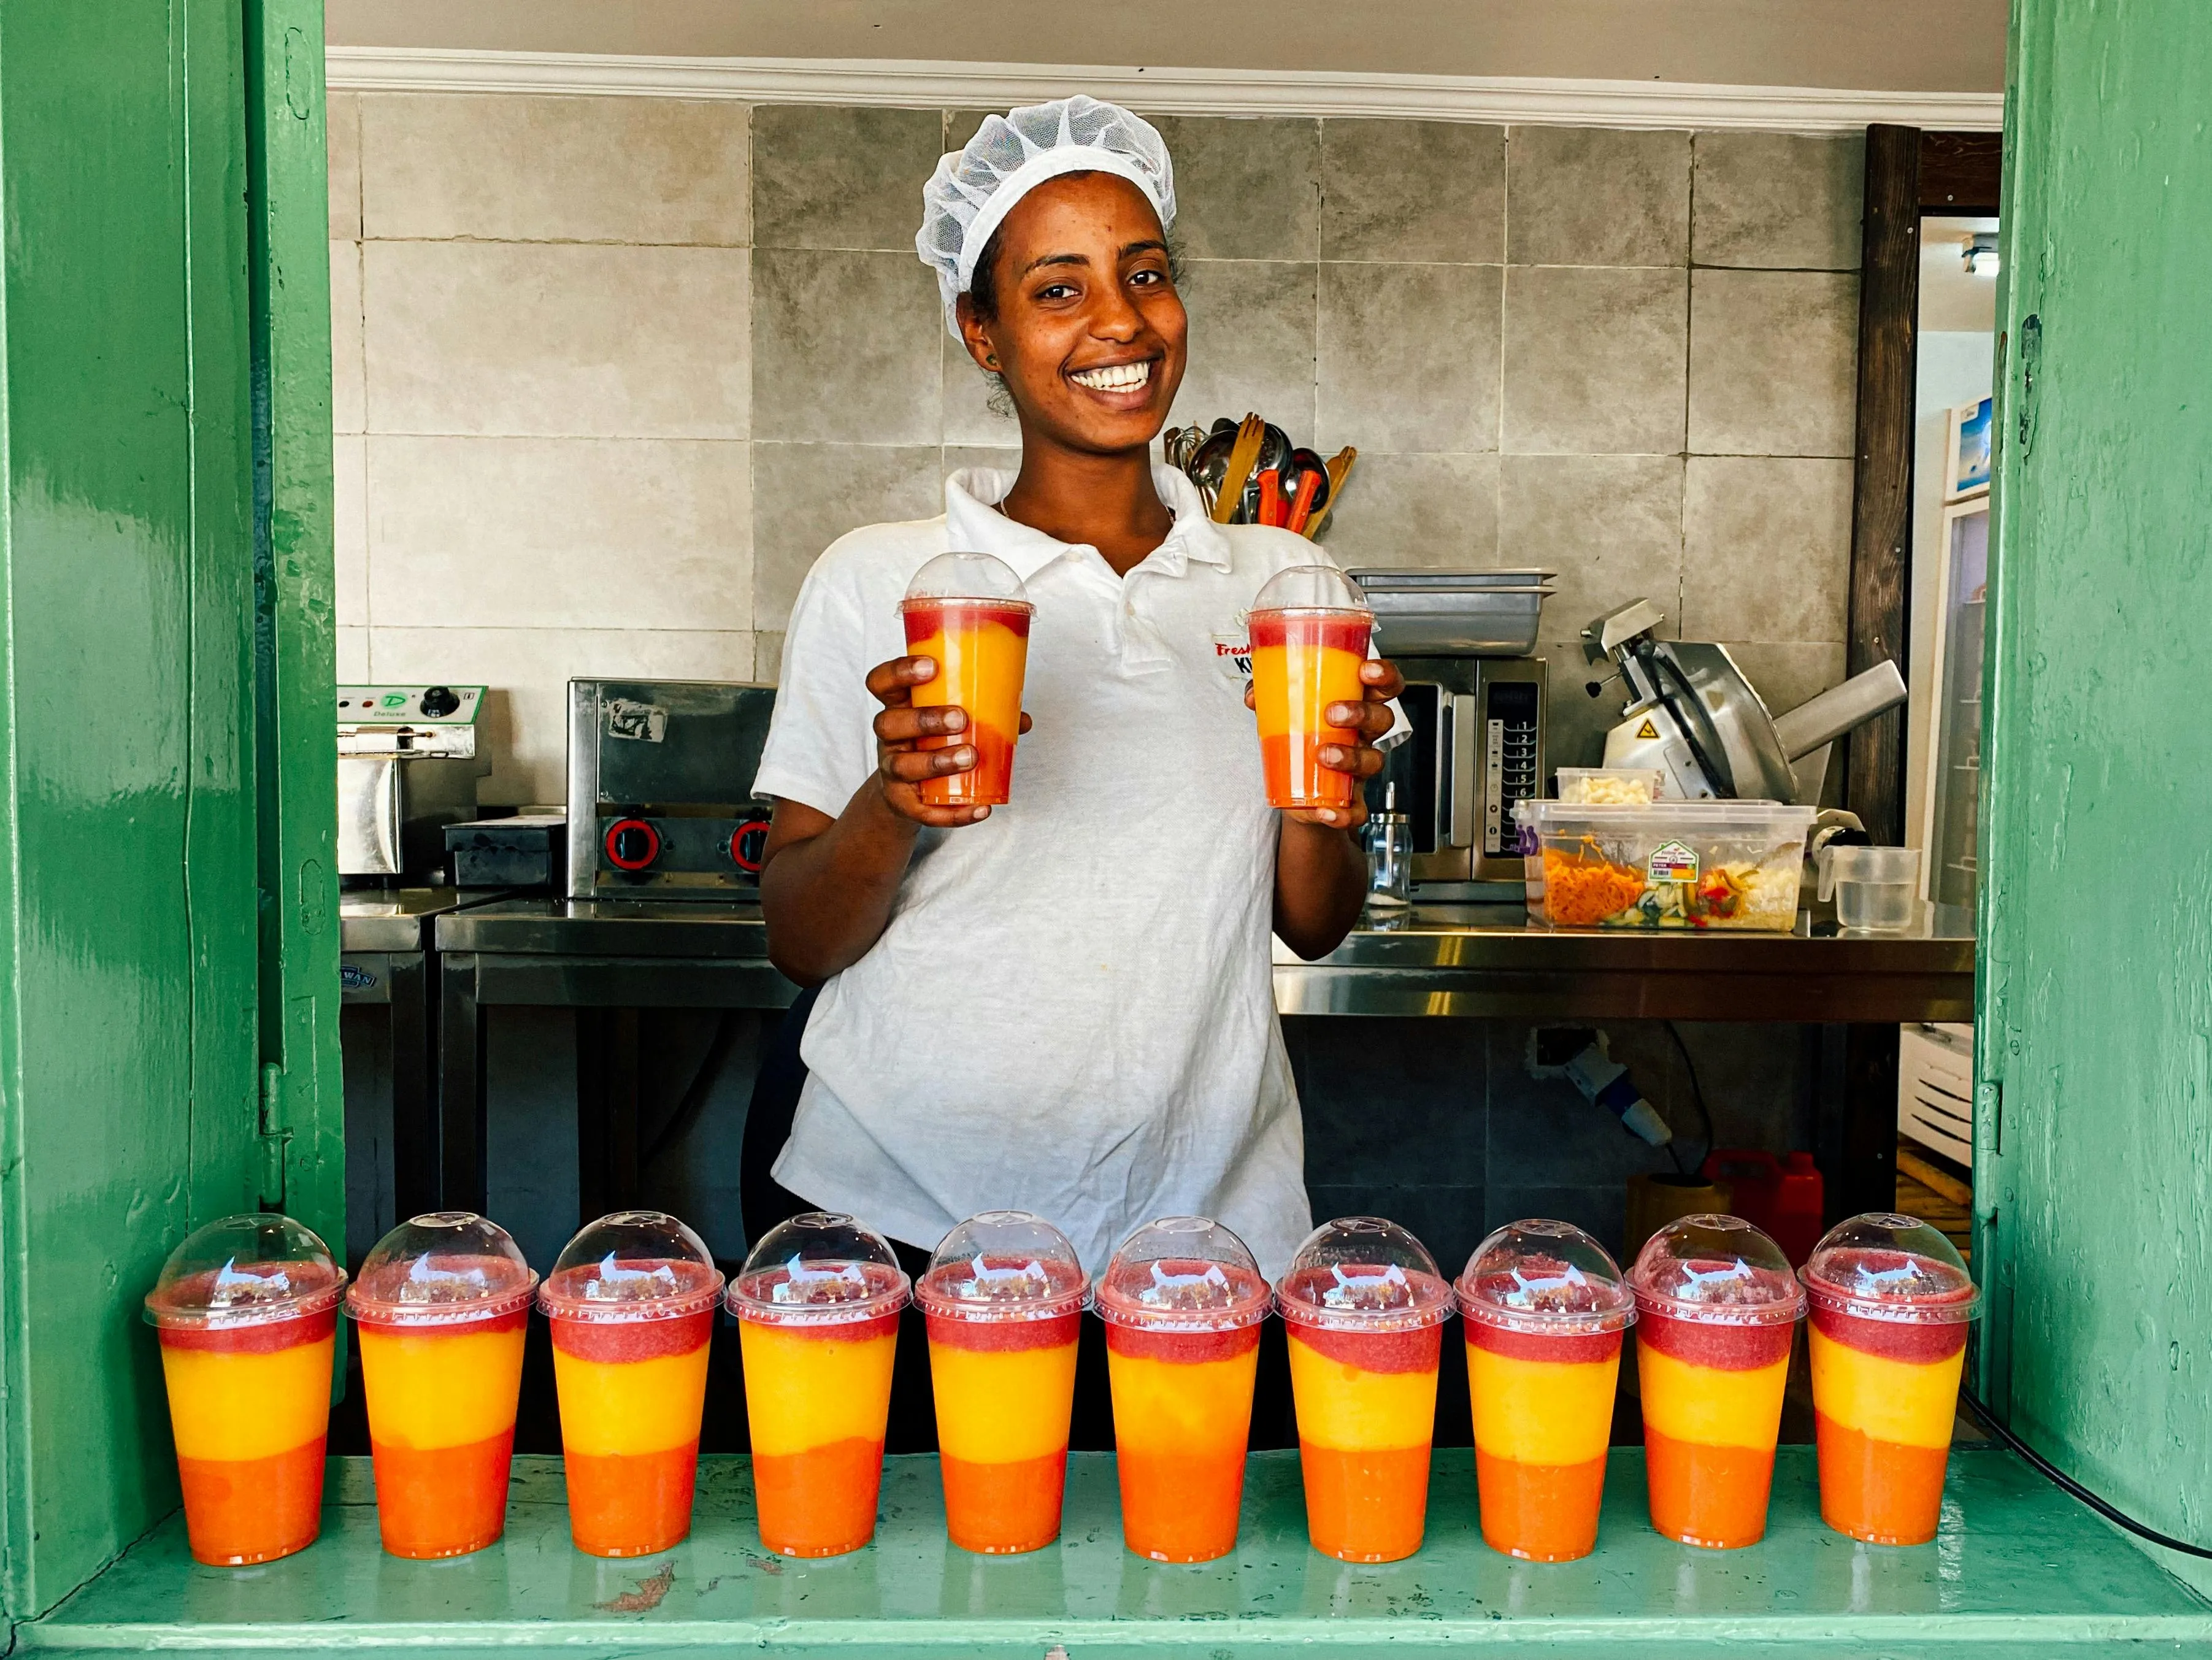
(1364, 1306)
(631, 1301)
(1004, 1296)
(1542, 1306)
(969, 613)
(1182, 1301)
(246, 1312)
(1717, 1306)
(441, 1308)
(818, 1304)
(1309, 630)
(1890, 1301)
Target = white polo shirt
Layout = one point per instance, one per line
(1071, 1011)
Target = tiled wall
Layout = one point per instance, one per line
(611, 372)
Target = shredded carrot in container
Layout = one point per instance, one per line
(1582, 891)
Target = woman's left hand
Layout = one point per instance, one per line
(1370, 720)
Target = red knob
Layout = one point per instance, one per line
(632, 845)
(747, 843)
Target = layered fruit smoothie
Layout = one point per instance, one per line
(1716, 1311)
(1543, 1307)
(1182, 1301)
(1888, 1331)
(818, 1303)
(440, 1310)
(1302, 662)
(245, 1354)
(981, 648)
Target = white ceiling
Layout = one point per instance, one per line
(1902, 46)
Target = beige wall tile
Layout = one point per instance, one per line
(348, 403)
(825, 177)
(966, 394)
(560, 532)
(1773, 362)
(1583, 195)
(1610, 525)
(1778, 199)
(1412, 190)
(1251, 343)
(1594, 360)
(341, 141)
(525, 718)
(1767, 549)
(1417, 510)
(1245, 188)
(534, 338)
(530, 169)
(846, 348)
(767, 657)
(1409, 357)
(353, 654)
(807, 495)
(349, 527)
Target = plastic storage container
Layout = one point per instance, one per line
(1670, 865)
(1610, 787)
(1873, 888)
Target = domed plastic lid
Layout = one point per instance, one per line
(820, 1269)
(1881, 1266)
(441, 1269)
(1311, 587)
(969, 576)
(1003, 1265)
(1547, 1277)
(1718, 1271)
(247, 1270)
(1183, 1274)
(633, 1265)
(1363, 1273)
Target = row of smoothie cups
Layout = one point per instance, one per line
(1183, 1290)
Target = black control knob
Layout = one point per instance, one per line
(632, 845)
(439, 701)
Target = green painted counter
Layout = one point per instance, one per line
(2017, 1565)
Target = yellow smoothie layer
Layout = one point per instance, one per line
(630, 1407)
(1711, 1405)
(248, 1406)
(804, 1390)
(1165, 1407)
(1350, 1409)
(428, 1389)
(1541, 1412)
(1003, 1406)
(1910, 1401)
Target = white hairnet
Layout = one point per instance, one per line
(975, 188)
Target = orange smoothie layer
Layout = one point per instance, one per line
(821, 1501)
(1883, 1422)
(1540, 1428)
(1302, 662)
(631, 1503)
(441, 1501)
(981, 653)
(816, 1398)
(442, 1426)
(1003, 1389)
(240, 1511)
(1364, 1438)
(1181, 1430)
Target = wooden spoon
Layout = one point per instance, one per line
(1249, 434)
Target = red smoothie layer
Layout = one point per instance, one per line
(1920, 1341)
(632, 1340)
(924, 617)
(266, 1338)
(1567, 1348)
(1331, 630)
(1725, 1348)
(1187, 1348)
(1417, 1350)
(1005, 1336)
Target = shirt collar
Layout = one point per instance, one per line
(973, 524)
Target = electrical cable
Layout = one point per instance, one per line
(1697, 1092)
(2067, 1484)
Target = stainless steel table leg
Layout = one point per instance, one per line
(460, 1085)
(412, 979)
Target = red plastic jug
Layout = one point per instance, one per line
(1783, 1200)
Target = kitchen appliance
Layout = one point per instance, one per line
(1692, 713)
(407, 768)
(525, 850)
(660, 775)
(1952, 762)
(1935, 1087)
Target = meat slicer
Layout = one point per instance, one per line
(1692, 713)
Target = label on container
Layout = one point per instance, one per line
(1671, 861)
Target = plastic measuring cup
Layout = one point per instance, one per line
(1716, 1307)
(1890, 1302)
(1310, 629)
(631, 1301)
(1542, 1306)
(970, 614)
(442, 1304)
(1182, 1301)
(1364, 1308)
(1873, 888)
(818, 1303)
(1004, 1296)
(246, 1310)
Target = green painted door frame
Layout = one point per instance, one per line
(2093, 1139)
(168, 956)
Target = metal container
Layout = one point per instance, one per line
(407, 768)
(1456, 613)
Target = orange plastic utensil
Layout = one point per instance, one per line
(1271, 498)
(1302, 504)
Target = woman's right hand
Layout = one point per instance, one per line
(901, 764)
